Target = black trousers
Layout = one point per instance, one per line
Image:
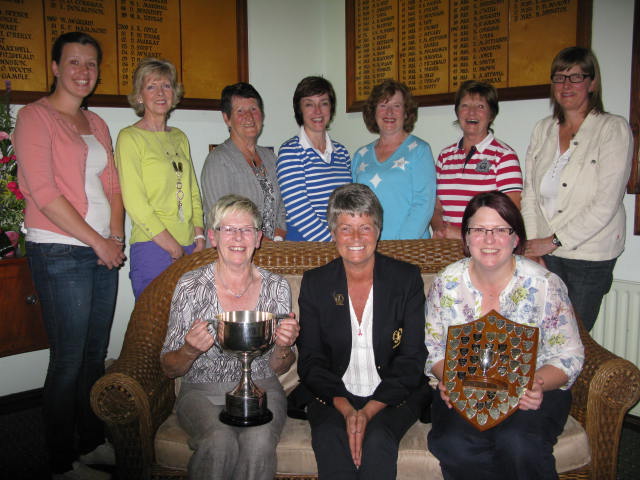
(519, 448)
(380, 445)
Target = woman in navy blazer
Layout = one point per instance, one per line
(361, 345)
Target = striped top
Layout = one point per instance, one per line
(493, 166)
(306, 182)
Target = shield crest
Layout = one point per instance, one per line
(489, 363)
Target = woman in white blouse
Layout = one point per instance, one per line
(495, 276)
(577, 167)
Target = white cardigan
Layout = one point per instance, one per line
(590, 218)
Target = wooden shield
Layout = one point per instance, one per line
(489, 363)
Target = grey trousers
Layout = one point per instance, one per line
(223, 452)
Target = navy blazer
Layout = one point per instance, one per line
(324, 343)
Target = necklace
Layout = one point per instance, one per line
(237, 295)
(174, 157)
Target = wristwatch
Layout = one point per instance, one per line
(556, 241)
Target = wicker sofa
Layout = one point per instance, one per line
(135, 399)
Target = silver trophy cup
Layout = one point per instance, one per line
(487, 359)
(247, 335)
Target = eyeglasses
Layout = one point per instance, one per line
(498, 232)
(573, 78)
(231, 231)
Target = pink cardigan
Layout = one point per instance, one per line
(52, 159)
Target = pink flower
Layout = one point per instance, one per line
(13, 187)
(13, 237)
(5, 159)
(4, 136)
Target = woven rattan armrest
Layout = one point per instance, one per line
(133, 399)
(605, 390)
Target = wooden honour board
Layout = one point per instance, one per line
(434, 45)
(205, 39)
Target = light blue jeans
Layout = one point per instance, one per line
(78, 299)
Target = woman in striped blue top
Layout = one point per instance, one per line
(311, 165)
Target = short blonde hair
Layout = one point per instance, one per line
(233, 204)
(149, 67)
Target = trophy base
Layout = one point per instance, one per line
(252, 421)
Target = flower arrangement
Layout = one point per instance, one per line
(11, 198)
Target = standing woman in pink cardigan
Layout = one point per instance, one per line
(74, 220)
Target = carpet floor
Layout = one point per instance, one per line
(23, 455)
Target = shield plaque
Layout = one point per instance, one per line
(489, 363)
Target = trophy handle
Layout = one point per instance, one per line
(213, 330)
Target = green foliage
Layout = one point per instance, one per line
(11, 198)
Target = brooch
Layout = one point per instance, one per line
(396, 337)
(483, 166)
(339, 299)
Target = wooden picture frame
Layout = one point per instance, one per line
(115, 49)
(539, 90)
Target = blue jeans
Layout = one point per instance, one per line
(78, 299)
(587, 283)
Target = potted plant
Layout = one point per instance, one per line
(11, 198)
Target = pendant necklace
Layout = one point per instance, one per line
(236, 295)
(174, 158)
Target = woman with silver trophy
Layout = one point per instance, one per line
(230, 290)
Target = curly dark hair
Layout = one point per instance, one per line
(384, 91)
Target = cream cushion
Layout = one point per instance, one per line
(295, 455)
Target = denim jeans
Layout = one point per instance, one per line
(587, 282)
(78, 301)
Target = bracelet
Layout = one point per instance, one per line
(199, 237)
(117, 238)
(278, 238)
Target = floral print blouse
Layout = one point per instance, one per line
(534, 297)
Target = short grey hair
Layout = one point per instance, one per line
(233, 204)
(354, 199)
(153, 66)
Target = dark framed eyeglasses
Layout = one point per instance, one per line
(573, 78)
(497, 232)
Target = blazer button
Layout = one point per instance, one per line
(575, 143)
(378, 367)
(564, 184)
(593, 161)
(559, 211)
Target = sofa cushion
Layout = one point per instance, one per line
(295, 455)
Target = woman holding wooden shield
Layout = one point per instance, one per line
(495, 276)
